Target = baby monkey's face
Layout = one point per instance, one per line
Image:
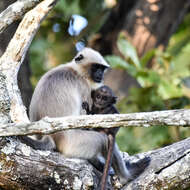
(103, 97)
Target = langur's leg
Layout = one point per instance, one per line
(120, 167)
(85, 144)
(46, 143)
(125, 170)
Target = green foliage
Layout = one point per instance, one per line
(161, 75)
(181, 38)
(127, 50)
(126, 142)
(164, 81)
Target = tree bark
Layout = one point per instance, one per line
(14, 55)
(15, 12)
(147, 23)
(169, 168)
(21, 167)
(51, 125)
(151, 23)
(24, 72)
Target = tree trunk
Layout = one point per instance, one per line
(24, 72)
(151, 23)
(147, 24)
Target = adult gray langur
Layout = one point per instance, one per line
(61, 92)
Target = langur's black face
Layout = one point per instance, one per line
(103, 97)
(97, 72)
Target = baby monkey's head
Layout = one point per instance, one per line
(103, 97)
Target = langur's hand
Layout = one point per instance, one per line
(85, 106)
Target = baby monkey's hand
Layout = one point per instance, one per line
(85, 106)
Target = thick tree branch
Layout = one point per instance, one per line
(169, 168)
(15, 12)
(13, 57)
(24, 168)
(51, 125)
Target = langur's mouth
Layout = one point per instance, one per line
(98, 79)
(100, 105)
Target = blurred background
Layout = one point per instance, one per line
(147, 43)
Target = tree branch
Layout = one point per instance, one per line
(52, 125)
(25, 168)
(13, 57)
(169, 168)
(15, 12)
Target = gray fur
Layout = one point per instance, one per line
(60, 92)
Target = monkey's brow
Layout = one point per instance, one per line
(97, 64)
(80, 57)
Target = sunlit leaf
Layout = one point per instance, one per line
(178, 46)
(181, 38)
(128, 50)
(148, 78)
(168, 90)
(147, 57)
(118, 62)
(181, 62)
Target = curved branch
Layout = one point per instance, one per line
(14, 55)
(51, 125)
(24, 34)
(15, 12)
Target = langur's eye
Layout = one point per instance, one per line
(98, 96)
(105, 98)
(79, 58)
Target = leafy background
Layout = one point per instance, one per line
(163, 76)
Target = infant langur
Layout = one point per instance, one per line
(103, 103)
(103, 100)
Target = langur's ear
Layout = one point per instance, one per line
(92, 94)
(79, 58)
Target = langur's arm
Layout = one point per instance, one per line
(109, 110)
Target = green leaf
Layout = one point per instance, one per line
(168, 90)
(128, 50)
(147, 78)
(118, 62)
(147, 57)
